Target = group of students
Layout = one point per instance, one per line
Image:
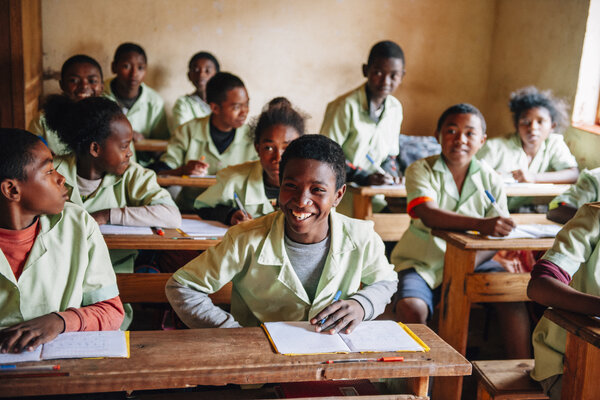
(290, 248)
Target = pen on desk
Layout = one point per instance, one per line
(13, 368)
(182, 233)
(500, 212)
(378, 167)
(335, 298)
(194, 238)
(353, 360)
(159, 230)
(239, 204)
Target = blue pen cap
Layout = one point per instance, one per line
(489, 196)
(370, 159)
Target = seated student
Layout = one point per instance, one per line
(288, 265)
(143, 106)
(534, 153)
(255, 182)
(447, 192)
(201, 68)
(587, 190)
(80, 78)
(566, 277)
(366, 122)
(207, 145)
(56, 274)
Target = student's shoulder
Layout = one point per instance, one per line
(151, 96)
(423, 164)
(358, 230)
(508, 141)
(136, 171)
(74, 221)
(556, 140)
(348, 99)
(238, 171)
(489, 173)
(256, 229)
(197, 128)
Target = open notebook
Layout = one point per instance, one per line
(299, 337)
(76, 345)
(531, 231)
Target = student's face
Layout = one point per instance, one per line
(271, 146)
(534, 126)
(306, 196)
(232, 112)
(82, 80)
(384, 76)
(461, 136)
(43, 192)
(114, 154)
(130, 70)
(200, 72)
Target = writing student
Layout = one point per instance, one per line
(586, 190)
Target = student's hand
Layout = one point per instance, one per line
(102, 217)
(380, 179)
(523, 176)
(195, 167)
(29, 335)
(138, 136)
(239, 216)
(497, 226)
(347, 314)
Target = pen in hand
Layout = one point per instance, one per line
(239, 204)
(335, 298)
(377, 167)
(500, 212)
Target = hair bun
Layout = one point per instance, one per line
(279, 102)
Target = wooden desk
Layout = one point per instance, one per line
(171, 180)
(582, 353)
(155, 145)
(184, 358)
(461, 287)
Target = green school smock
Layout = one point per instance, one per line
(68, 266)
(265, 285)
(192, 140)
(39, 127)
(430, 178)
(347, 121)
(187, 108)
(147, 115)
(244, 179)
(576, 251)
(135, 188)
(585, 190)
(506, 154)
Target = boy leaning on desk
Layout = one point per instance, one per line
(289, 265)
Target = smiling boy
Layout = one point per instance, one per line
(288, 265)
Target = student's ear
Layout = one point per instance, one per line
(215, 108)
(10, 189)
(438, 136)
(339, 194)
(113, 67)
(256, 147)
(60, 84)
(95, 149)
(365, 70)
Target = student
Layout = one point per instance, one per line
(533, 153)
(80, 78)
(566, 277)
(255, 182)
(288, 265)
(366, 121)
(143, 107)
(55, 271)
(201, 68)
(447, 192)
(207, 145)
(587, 189)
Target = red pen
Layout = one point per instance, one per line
(351, 360)
(159, 231)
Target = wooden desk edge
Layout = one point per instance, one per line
(583, 326)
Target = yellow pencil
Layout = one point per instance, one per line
(182, 233)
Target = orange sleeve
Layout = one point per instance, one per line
(104, 315)
(415, 202)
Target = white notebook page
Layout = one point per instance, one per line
(86, 344)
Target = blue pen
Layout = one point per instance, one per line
(239, 203)
(378, 167)
(335, 298)
(495, 204)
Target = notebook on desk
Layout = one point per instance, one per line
(531, 231)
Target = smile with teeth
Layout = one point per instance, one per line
(300, 216)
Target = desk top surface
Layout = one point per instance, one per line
(151, 145)
(512, 190)
(182, 358)
(583, 326)
(199, 182)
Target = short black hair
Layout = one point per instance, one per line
(15, 152)
(385, 49)
(128, 47)
(530, 97)
(461, 108)
(320, 148)
(278, 111)
(79, 123)
(204, 55)
(79, 59)
(218, 86)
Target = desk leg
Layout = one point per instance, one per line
(455, 308)
(418, 385)
(581, 370)
(363, 206)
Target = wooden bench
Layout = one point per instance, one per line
(390, 227)
(506, 379)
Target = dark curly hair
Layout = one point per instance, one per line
(385, 49)
(128, 47)
(80, 123)
(79, 59)
(15, 152)
(218, 86)
(204, 55)
(278, 111)
(530, 97)
(320, 148)
(461, 108)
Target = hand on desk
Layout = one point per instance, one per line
(347, 314)
(195, 167)
(102, 217)
(239, 216)
(523, 176)
(382, 179)
(30, 334)
(497, 226)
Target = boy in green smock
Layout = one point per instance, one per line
(288, 265)
(366, 122)
(587, 190)
(207, 145)
(55, 273)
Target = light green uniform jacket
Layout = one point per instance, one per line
(39, 127)
(585, 190)
(347, 122)
(244, 179)
(68, 266)
(577, 252)
(429, 179)
(187, 108)
(265, 285)
(192, 140)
